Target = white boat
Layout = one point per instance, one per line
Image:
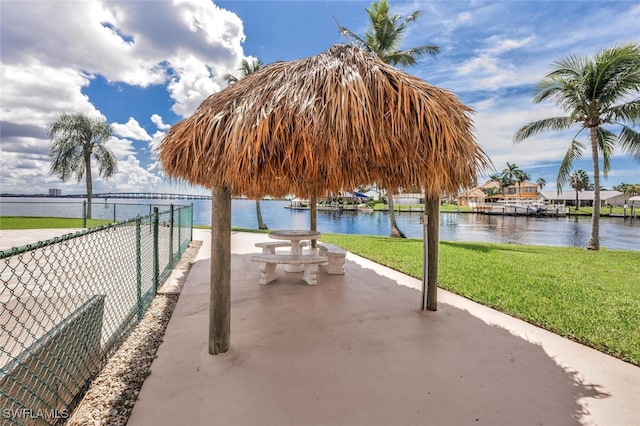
(298, 204)
(520, 208)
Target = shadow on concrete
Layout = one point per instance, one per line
(353, 350)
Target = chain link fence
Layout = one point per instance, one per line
(67, 303)
(74, 209)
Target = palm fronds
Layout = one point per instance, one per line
(573, 154)
(533, 128)
(74, 137)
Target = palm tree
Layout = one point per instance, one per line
(629, 189)
(490, 193)
(591, 187)
(541, 182)
(595, 92)
(521, 177)
(511, 171)
(622, 187)
(497, 177)
(383, 38)
(579, 180)
(248, 68)
(504, 183)
(508, 177)
(75, 138)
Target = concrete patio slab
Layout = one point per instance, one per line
(355, 350)
(20, 237)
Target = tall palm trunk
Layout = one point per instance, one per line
(87, 173)
(261, 224)
(594, 238)
(395, 231)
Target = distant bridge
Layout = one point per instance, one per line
(161, 195)
(143, 195)
(131, 195)
(157, 195)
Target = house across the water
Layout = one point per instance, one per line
(491, 192)
(585, 198)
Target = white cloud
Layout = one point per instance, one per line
(487, 72)
(131, 178)
(36, 94)
(209, 45)
(464, 17)
(483, 63)
(160, 124)
(137, 43)
(127, 41)
(155, 142)
(19, 169)
(489, 69)
(187, 45)
(496, 121)
(121, 148)
(131, 129)
(74, 35)
(500, 46)
(194, 81)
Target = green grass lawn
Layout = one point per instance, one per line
(450, 208)
(21, 222)
(590, 297)
(604, 211)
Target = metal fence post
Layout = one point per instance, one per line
(180, 231)
(139, 267)
(156, 262)
(84, 214)
(151, 210)
(191, 236)
(114, 213)
(171, 236)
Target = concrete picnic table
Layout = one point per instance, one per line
(295, 236)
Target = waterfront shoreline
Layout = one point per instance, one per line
(617, 233)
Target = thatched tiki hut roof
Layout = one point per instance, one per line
(330, 122)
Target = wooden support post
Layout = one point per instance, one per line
(220, 302)
(313, 215)
(432, 210)
(424, 220)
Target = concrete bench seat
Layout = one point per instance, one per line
(335, 258)
(268, 264)
(269, 247)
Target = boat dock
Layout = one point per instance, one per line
(520, 209)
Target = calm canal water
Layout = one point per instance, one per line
(615, 233)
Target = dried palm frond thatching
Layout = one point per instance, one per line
(335, 121)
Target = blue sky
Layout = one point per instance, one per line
(144, 65)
